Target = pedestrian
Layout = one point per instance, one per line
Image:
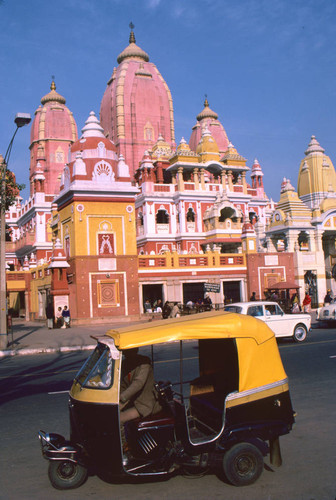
(328, 297)
(253, 297)
(175, 312)
(147, 306)
(59, 318)
(158, 308)
(66, 317)
(166, 310)
(295, 303)
(306, 303)
(50, 315)
(207, 302)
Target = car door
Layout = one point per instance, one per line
(274, 317)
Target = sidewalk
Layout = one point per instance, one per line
(33, 337)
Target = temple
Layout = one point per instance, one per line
(123, 214)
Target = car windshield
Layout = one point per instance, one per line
(97, 371)
(233, 309)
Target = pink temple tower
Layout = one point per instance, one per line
(53, 131)
(137, 105)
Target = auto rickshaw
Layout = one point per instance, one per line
(223, 413)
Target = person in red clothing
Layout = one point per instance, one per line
(306, 303)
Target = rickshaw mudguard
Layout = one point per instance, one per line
(56, 447)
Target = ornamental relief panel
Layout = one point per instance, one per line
(103, 172)
(105, 244)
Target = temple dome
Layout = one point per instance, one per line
(207, 112)
(132, 51)
(137, 106)
(53, 120)
(208, 117)
(317, 176)
(53, 96)
(53, 130)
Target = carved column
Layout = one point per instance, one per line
(196, 179)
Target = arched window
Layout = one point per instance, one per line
(162, 217)
(253, 218)
(226, 213)
(140, 219)
(190, 215)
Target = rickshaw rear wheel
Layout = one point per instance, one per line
(243, 464)
(65, 475)
(300, 333)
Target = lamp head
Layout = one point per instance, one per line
(22, 119)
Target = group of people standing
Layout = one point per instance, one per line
(294, 305)
(59, 320)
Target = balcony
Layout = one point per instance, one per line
(209, 260)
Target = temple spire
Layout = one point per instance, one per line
(131, 37)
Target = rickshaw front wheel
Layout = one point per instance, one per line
(65, 475)
(243, 464)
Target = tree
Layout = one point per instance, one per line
(12, 188)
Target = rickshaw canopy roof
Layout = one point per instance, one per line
(258, 354)
(212, 325)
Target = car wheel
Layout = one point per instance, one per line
(300, 333)
(65, 475)
(243, 464)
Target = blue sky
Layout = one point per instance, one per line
(267, 66)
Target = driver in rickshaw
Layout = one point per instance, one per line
(138, 397)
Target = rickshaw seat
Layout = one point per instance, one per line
(158, 419)
(208, 408)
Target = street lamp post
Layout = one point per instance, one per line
(20, 120)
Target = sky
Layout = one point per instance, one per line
(268, 68)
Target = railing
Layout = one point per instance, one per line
(162, 228)
(162, 188)
(174, 260)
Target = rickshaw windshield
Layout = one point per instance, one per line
(97, 371)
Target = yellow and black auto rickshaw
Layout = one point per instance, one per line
(223, 410)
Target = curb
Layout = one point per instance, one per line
(44, 350)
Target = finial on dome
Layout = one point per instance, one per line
(314, 146)
(132, 51)
(53, 95)
(53, 84)
(207, 111)
(131, 37)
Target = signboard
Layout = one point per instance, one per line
(212, 287)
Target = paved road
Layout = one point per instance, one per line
(31, 389)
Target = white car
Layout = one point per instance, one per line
(282, 324)
(327, 313)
